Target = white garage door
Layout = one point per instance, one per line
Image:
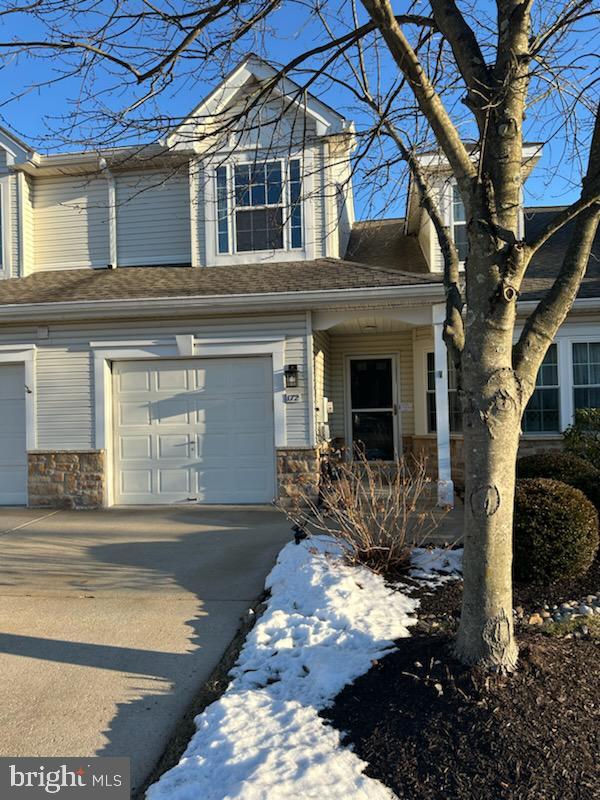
(13, 449)
(199, 429)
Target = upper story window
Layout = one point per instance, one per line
(259, 206)
(459, 224)
(542, 414)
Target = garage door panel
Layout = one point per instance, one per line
(13, 449)
(211, 412)
(250, 478)
(209, 432)
(135, 447)
(11, 413)
(134, 381)
(251, 444)
(135, 481)
(134, 413)
(174, 480)
(250, 409)
(173, 445)
(169, 379)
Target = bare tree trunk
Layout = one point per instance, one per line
(493, 403)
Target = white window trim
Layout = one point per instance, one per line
(107, 352)
(5, 228)
(306, 252)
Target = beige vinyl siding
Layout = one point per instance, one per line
(153, 219)
(14, 224)
(397, 344)
(65, 368)
(319, 224)
(321, 364)
(27, 245)
(71, 222)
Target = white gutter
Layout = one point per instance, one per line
(580, 304)
(150, 306)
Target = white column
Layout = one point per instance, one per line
(445, 485)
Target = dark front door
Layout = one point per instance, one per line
(373, 407)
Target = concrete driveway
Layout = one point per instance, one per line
(111, 620)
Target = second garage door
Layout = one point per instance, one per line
(193, 430)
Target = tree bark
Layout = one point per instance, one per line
(492, 421)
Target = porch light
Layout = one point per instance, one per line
(290, 373)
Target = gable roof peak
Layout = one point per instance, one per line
(254, 67)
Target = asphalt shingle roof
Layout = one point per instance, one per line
(379, 254)
(153, 282)
(384, 243)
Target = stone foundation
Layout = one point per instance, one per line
(66, 478)
(298, 473)
(427, 446)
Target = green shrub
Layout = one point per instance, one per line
(555, 531)
(583, 437)
(564, 467)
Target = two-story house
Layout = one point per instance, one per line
(190, 321)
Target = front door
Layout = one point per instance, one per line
(373, 409)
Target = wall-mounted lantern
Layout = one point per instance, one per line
(291, 376)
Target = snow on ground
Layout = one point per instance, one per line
(324, 625)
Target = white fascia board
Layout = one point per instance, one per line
(219, 304)
(19, 150)
(580, 304)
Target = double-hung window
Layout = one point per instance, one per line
(459, 224)
(542, 414)
(259, 206)
(454, 408)
(586, 375)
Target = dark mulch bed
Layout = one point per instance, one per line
(430, 728)
(446, 600)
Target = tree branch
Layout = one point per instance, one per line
(468, 56)
(428, 99)
(542, 325)
(559, 220)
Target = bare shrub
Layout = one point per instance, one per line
(378, 510)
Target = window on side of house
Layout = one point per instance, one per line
(459, 224)
(454, 409)
(542, 414)
(259, 206)
(586, 375)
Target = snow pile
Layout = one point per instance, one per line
(325, 624)
(436, 565)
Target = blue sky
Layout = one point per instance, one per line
(292, 32)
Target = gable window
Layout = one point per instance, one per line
(259, 206)
(459, 224)
(542, 414)
(586, 375)
(454, 409)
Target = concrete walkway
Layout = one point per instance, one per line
(111, 620)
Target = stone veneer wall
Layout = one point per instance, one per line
(427, 446)
(66, 478)
(298, 471)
